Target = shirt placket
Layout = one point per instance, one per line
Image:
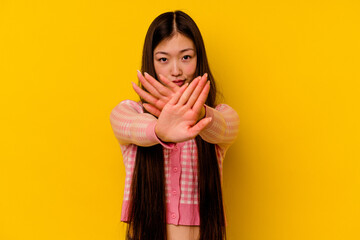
(175, 172)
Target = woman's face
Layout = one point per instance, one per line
(175, 59)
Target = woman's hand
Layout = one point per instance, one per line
(177, 121)
(158, 94)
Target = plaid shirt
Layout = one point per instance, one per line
(132, 127)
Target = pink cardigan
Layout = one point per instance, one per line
(132, 127)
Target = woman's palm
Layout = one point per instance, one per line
(178, 119)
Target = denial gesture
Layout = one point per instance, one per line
(178, 108)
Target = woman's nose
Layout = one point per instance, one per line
(176, 70)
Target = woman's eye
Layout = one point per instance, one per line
(162, 59)
(186, 57)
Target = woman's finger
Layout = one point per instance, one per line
(202, 98)
(148, 86)
(145, 95)
(194, 96)
(185, 96)
(160, 88)
(168, 83)
(151, 109)
(197, 128)
(174, 100)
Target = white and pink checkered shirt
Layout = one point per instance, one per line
(132, 127)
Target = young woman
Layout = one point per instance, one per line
(174, 139)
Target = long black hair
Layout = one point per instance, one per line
(147, 211)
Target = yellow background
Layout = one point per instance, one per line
(289, 68)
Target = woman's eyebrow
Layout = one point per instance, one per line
(187, 49)
(181, 51)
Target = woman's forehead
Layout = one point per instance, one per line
(175, 44)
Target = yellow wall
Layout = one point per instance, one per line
(290, 69)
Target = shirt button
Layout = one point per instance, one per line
(173, 215)
(175, 169)
(174, 192)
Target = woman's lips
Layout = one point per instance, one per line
(179, 82)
